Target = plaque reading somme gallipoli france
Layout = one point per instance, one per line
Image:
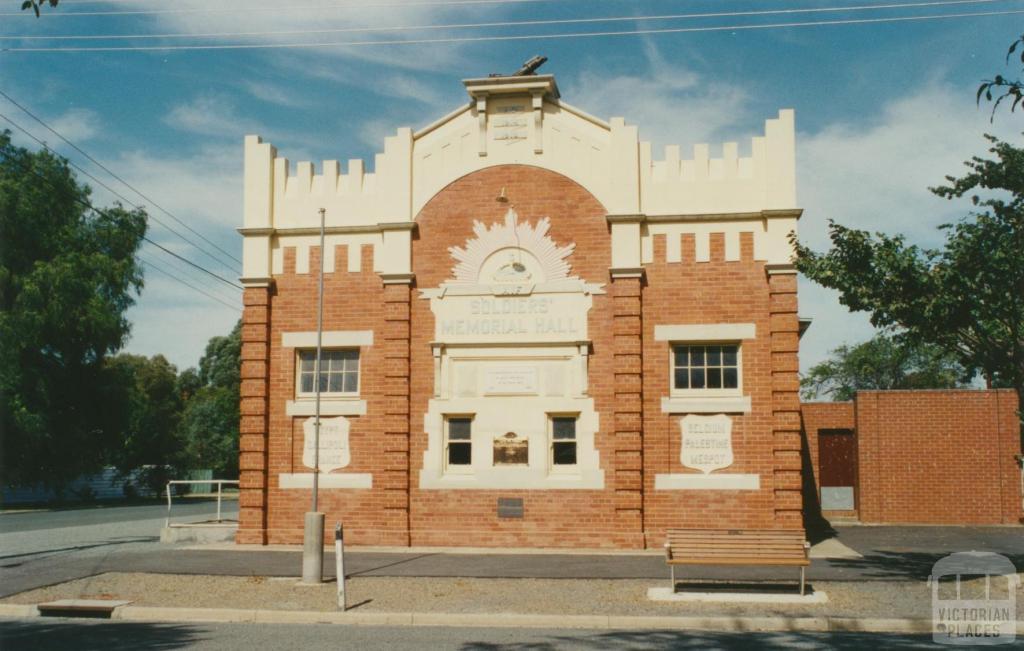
(334, 451)
(511, 450)
(707, 442)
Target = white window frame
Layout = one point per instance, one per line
(563, 468)
(457, 469)
(705, 393)
(308, 395)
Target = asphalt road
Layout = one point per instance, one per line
(43, 547)
(41, 634)
(77, 517)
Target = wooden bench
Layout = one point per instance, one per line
(736, 547)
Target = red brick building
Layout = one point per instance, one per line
(537, 332)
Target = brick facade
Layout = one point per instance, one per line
(628, 377)
(927, 457)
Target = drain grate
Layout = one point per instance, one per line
(92, 608)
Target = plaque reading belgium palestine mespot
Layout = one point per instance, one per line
(707, 442)
(334, 452)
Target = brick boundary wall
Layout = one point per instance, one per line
(926, 457)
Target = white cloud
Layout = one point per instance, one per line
(679, 105)
(211, 115)
(203, 189)
(175, 321)
(874, 175)
(325, 22)
(77, 125)
(274, 94)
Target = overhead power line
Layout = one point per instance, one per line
(513, 37)
(274, 9)
(175, 278)
(89, 205)
(517, 23)
(124, 183)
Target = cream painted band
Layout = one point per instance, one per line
(327, 480)
(709, 405)
(331, 339)
(328, 407)
(705, 332)
(717, 481)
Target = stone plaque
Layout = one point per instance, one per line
(707, 442)
(334, 452)
(511, 380)
(511, 449)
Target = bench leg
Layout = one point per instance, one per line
(801, 581)
(672, 576)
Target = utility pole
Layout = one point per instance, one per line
(313, 532)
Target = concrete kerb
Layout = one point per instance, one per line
(463, 620)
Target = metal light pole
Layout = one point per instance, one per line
(313, 532)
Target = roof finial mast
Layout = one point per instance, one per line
(528, 68)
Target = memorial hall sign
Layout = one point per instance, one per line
(511, 284)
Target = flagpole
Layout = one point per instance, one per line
(313, 533)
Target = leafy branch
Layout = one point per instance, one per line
(1011, 88)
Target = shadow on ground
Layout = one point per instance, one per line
(41, 635)
(901, 565)
(642, 640)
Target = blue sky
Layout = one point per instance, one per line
(883, 110)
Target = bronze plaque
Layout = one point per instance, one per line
(511, 450)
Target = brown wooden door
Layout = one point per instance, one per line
(837, 455)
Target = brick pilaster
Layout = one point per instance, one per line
(254, 423)
(395, 477)
(785, 343)
(628, 413)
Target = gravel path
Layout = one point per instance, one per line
(460, 595)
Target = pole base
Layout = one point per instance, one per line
(313, 548)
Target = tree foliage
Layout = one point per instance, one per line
(67, 277)
(154, 405)
(35, 5)
(966, 298)
(882, 362)
(1004, 88)
(209, 425)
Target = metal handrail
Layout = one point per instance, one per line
(220, 483)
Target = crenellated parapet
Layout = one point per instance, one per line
(521, 121)
(702, 185)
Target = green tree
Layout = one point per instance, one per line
(154, 404)
(882, 362)
(67, 277)
(1004, 88)
(209, 424)
(966, 298)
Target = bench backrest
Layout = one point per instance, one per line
(781, 544)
